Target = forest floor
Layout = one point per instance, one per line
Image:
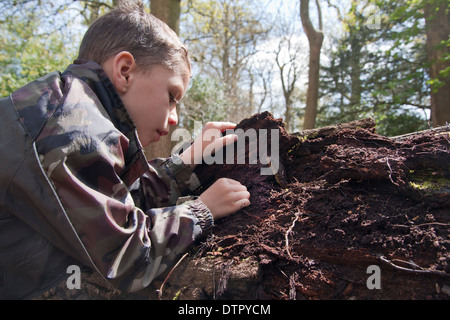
(350, 215)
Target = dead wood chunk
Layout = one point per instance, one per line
(351, 196)
(243, 161)
(368, 123)
(442, 130)
(214, 278)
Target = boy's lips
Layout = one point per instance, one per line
(163, 133)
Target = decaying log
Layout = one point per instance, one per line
(368, 123)
(350, 199)
(436, 131)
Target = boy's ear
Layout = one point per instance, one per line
(123, 65)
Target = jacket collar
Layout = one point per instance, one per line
(95, 77)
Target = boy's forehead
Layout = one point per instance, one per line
(177, 77)
(180, 69)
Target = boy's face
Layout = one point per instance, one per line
(151, 101)
(150, 96)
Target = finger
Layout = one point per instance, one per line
(242, 203)
(222, 126)
(232, 182)
(242, 195)
(240, 188)
(224, 141)
(229, 139)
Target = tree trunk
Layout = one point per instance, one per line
(355, 72)
(315, 39)
(437, 31)
(169, 12)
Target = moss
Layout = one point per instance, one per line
(177, 295)
(429, 181)
(313, 135)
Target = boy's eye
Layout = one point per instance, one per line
(172, 100)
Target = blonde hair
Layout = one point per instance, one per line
(128, 27)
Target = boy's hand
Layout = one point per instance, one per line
(224, 197)
(210, 139)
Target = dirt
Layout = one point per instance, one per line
(340, 203)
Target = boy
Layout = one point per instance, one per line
(76, 186)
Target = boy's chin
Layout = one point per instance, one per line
(156, 139)
(150, 140)
(147, 142)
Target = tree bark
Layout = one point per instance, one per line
(315, 39)
(368, 123)
(169, 12)
(437, 30)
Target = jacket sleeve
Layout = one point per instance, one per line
(168, 183)
(129, 242)
(165, 182)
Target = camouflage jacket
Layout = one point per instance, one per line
(75, 184)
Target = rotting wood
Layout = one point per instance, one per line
(356, 189)
(437, 130)
(367, 123)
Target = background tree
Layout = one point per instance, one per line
(437, 24)
(377, 70)
(315, 38)
(223, 38)
(27, 49)
(426, 23)
(397, 71)
(287, 59)
(169, 12)
(203, 102)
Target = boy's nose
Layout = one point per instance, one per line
(173, 117)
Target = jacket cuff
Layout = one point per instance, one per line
(201, 212)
